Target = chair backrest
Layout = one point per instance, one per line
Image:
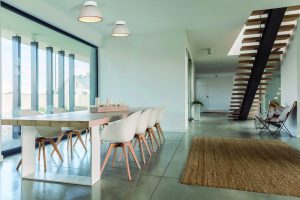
(79, 108)
(59, 110)
(122, 130)
(152, 118)
(286, 112)
(160, 114)
(42, 131)
(143, 122)
(28, 112)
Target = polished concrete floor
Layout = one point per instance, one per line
(158, 179)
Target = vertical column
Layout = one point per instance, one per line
(71, 82)
(1, 157)
(16, 82)
(49, 79)
(34, 76)
(61, 77)
(93, 75)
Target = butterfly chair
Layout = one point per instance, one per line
(277, 122)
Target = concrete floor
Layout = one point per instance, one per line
(158, 179)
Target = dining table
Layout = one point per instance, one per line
(78, 119)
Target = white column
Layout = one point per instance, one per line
(95, 154)
(28, 150)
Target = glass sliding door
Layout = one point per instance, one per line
(43, 68)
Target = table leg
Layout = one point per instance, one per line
(28, 150)
(95, 154)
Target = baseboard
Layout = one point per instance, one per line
(174, 130)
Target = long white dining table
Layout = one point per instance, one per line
(79, 119)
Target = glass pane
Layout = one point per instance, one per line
(12, 25)
(42, 80)
(82, 83)
(26, 77)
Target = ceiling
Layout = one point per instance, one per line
(211, 24)
(13, 24)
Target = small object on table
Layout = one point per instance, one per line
(111, 108)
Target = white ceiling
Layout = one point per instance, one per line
(208, 23)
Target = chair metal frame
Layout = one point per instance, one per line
(280, 125)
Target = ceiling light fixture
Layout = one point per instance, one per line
(90, 13)
(120, 29)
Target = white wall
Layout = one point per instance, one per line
(147, 70)
(290, 89)
(220, 89)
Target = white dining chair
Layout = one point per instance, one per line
(150, 126)
(120, 134)
(140, 134)
(87, 131)
(69, 131)
(43, 134)
(157, 125)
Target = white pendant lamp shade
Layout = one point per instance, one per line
(120, 29)
(90, 12)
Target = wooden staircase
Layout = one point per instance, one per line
(252, 36)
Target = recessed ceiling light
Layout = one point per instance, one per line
(90, 12)
(120, 29)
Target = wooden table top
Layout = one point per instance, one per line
(78, 119)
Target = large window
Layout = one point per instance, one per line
(42, 68)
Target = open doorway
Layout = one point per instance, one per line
(190, 87)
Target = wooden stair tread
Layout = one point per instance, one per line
(252, 61)
(255, 47)
(282, 28)
(258, 38)
(250, 67)
(275, 53)
(258, 21)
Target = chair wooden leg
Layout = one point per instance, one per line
(155, 139)
(114, 158)
(51, 140)
(75, 142)
(145, 143)
(39, 153)
(151, 140)
(133, 154)
(135, 142)
(19, 164)
(158, 133)
(59, 138)
(90, 135)
(86, 134)
(161, 132)
(111, 146)
(44, 153)
(141, 149)
(70, 141)
(126, 161)
(80, 139)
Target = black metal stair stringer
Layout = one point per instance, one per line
(272, 26)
